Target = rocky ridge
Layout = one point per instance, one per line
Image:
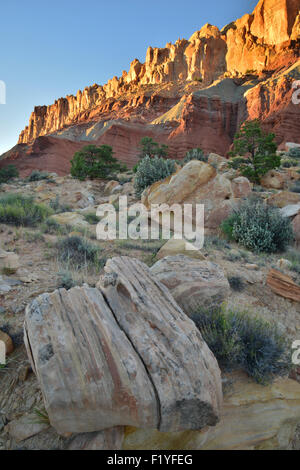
(192, 93)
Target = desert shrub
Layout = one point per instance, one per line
(258, 227)
(7, 173)
(16, 209)
(240, 340)
(58, 208)
(151, 170)
(95, 162)
(150, 148)
(293, 255)
(256, 151)
(221, 336)
(236, 283)
(195, 154)
(37, 175)
(294, 153)
(66, 280)
(52, 227)
(212, 241)
(77, 252)
(92, 218)
(264, 348)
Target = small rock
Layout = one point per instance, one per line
(25, 427)
(9, 262)
(290, 211)
(283, 263)
(253, 266)
(24, 373)
(175, 247)
(7, 341)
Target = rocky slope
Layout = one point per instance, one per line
(195, 92)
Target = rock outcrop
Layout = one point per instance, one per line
(253, 417)
(192, 93)
(193, 283)
(283, 285)
(121, 354)
(199, 183)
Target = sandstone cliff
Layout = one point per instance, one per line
(247, 52)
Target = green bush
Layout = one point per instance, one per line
(288, 163)
(239, 340)
(52, 227)
(151, 170)
(7, 173)
(294, 152)
(236, 283)
(77, 252)
(256, 151)
(95, 162)
(16, 209)
(37, 175)
(258, 227)
(92, 218)
(66, 280)
(195, 154)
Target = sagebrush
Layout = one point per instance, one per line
(18, 210)
(258, 227)
(151, 170)
(241, 340)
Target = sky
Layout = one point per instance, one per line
(50, 49)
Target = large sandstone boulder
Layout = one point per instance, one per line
(193, 283)
(217, 161)
(253, 417)
(121, 354)
(241, 187)
(199, 183)
(283, 198)
(273, 180)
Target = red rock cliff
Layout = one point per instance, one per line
(172, 96)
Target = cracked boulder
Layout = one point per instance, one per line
(123, 353)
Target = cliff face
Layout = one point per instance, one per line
(257, 45)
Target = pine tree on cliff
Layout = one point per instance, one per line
(256, 151)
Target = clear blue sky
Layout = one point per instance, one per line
(53, 48)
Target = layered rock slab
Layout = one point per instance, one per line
(90, 375)
(121, 354)
(183, 370)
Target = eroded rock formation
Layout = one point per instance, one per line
(170, 97)
(121, 354)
